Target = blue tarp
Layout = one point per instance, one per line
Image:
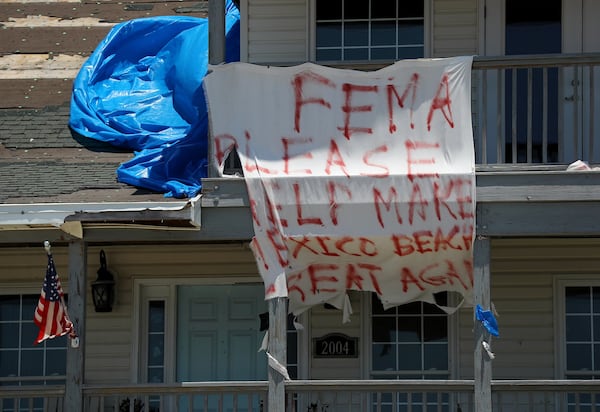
(141, 89)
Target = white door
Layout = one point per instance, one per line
(573, 30)
(218, 333)
(218, 337)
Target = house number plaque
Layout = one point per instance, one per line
(335, 345)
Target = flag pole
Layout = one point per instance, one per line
(72, 333)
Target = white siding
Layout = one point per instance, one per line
(25, 267)
(522, 289)
(277, 31)
(523, 277)
(455, 28)
(110, 336)
(324, 321)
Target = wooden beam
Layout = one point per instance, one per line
(216, 31)
(76, 308)
(32, 93)
(184, 218)
(216, 54)
(277, 348)
(54, 39)
(540, 219)
(481, 293)
(88, 13)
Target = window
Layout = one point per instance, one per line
(21, 361)
(582, 332)
(369, 30)
(156, 348)
(410, 342)
(582, 341)
(292, 348)
(155, 340)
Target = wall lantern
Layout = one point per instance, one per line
(103, 288)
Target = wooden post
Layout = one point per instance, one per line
(481, 293)
(277, 348)
(216, 31)
(76, 309)
(216, 55)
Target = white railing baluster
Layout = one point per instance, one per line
(514, 73)
(591, 117)
(501, 110)
(484, 98)
(529, 115)
(545, 115)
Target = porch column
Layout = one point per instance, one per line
(76, 309)
(216, 53)
(277, 348)
(216, 31)
(481, 293)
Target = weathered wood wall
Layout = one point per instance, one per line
(44, 44)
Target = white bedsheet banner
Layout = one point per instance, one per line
(357, 180)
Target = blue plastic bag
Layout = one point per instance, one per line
(487, 319)
(141, 89)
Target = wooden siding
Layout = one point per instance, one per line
(277, 31)
(523, 272)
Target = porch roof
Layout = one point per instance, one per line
(509, 204)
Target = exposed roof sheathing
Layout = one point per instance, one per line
(44, 44)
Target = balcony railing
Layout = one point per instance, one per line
(540, 109)
(315, 395)
(32, 398)
(528, 110)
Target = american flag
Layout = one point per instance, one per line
(51, 313)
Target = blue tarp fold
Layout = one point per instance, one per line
(141, 89)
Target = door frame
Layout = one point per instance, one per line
(580, 33)
(493, 21)
(145, 290)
